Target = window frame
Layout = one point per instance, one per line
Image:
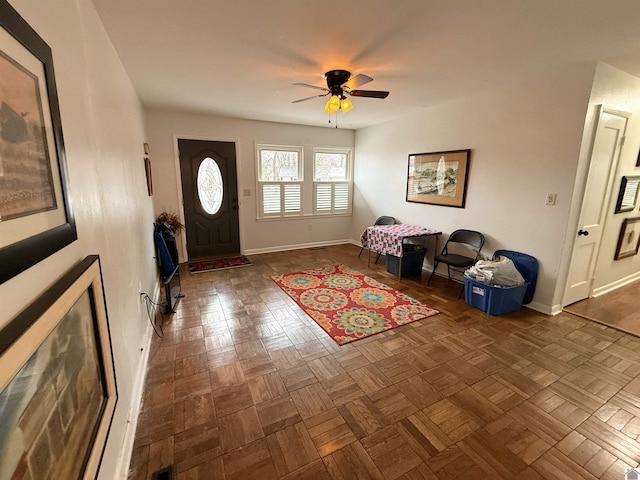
(261, 184)
(348, 181)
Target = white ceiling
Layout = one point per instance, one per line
(240, 57)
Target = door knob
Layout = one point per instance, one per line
(583, 232)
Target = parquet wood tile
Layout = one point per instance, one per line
(277, 413)
(231, 399)
(266, 387)
(196, 445)
(291, 448)
(297, 377)
(226, 375)
(311, 400)
(193, 411)
(251, 462)
(342, 389)
(239, 428)
(329, 432)
(390, 452)
(312, 471)
(245, 385)
(213, 470)
(351, 462)
(370, 379)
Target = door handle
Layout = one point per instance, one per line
(583, 232)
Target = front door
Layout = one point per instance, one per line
(210, 195)
(604, 160)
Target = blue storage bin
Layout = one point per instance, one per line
(499, 300)
(491, 299)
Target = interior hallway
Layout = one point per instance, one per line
(619, 309)
(245, 385)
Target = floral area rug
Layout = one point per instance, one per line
(349, 305)
(200, 266)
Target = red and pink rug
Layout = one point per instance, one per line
(199, 266)
(349, 305)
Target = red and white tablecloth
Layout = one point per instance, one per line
(388, 239)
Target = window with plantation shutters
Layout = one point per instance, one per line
(279, 181)
(331, 181)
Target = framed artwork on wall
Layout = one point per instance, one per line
(629, 239)
(57, 381)
(628, 194)
(147, 171)
(438, 178)
(36, 218)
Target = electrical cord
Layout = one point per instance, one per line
(152, 307)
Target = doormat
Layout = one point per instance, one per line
(349, 305)
(200, 266)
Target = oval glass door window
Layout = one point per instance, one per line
(210, 188)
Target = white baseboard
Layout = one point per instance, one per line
(299, 246)
(135, 405)
(615, 285)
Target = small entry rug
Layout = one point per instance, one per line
(349, 305)
(200, 266)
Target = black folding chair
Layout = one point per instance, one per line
(384, 220)
(461, 241)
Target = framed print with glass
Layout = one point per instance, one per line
(57, 381)
(36, 219)
(438, 178)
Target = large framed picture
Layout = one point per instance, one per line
(629, 239)
(57, 381)
(628, 194)
(36, 219)
(438, 178)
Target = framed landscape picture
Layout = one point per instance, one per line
(438, 178)
(57, 381)
(36, 219)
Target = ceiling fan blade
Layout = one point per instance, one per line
(310, 98)
(356, 81)
(369, 93)
(324, 89)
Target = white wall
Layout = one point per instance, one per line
(619, 90)
(525, 142)
(164, 127)
(104, 133)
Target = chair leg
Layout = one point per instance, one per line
(361, 249)
(378, 257)
(462, 290)
(449, 272)
(435, 265)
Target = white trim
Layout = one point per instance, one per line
(135, 404)
(615, 285)
(298, 246)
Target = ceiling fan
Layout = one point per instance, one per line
(340, 82)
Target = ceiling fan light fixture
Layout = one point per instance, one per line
(332, 105)
(345, 104)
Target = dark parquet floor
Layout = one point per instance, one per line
(244, 385)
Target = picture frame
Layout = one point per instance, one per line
(147, 171)
(628, 194)
(57, 381)
(36, 217)
(438, 178)
(629, 239)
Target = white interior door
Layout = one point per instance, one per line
(607, 145)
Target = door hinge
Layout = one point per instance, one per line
(622, 140)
